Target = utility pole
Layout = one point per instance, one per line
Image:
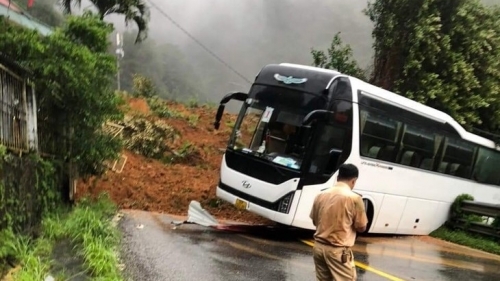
(119, 55)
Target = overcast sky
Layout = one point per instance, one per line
(249, 34)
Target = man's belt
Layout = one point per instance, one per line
(331, 245)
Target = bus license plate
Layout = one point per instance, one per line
(240, 204)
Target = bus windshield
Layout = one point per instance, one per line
(270, 124)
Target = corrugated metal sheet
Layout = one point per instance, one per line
(13, 6)
(24, 20)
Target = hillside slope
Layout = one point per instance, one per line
(188, 170)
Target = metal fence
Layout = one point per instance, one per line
(18, 107)
(14, 110)
(477, 218)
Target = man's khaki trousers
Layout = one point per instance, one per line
(329, 266)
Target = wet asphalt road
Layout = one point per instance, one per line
(191, 252)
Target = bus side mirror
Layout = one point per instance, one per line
(236, 96)
(218, 116)
(335, 151)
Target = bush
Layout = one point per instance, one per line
(74, 76)
(143, 86)
(148, 138)
(456, 211)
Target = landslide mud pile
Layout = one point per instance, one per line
(173, 156)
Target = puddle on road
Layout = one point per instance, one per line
(426, 258)
(408, 257)
(413, 249)
(426, 244)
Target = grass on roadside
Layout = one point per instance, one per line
(88, 227)
(466, 239)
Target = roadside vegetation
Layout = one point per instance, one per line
(467, 239)
(452, 233)
(84, 234)
(39, 235)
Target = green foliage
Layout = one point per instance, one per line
(456, 210)
(161, 110)
(143, 86)
(47, 185)
(491, 2)
(155, 139)
(73, 87)
(338, 57)
(33, 268)
(3, 151)
(457, 214)
(192, 103)
(89, 227)
(467, 239)
(148, 138)
(92, 33)
(193, 120)
(29, 189)
(188, 153)
(8, 248)
(441, 53)
(133, 10)
(22, 249)
(496, 223)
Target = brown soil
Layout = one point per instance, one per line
(138, 105)
(148, 184)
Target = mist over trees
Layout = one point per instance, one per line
(249, 34)
(441, 53)
(444, 54)
(45, 11)
(165, 64)
(338, 57)
(132, 10)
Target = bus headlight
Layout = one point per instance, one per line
(285, 203)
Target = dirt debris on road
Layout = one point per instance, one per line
(152, 185)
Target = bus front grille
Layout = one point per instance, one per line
(282, 205)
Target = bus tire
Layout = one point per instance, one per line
(369, 214)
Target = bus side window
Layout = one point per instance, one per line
(342, 104)
(379, 136)
(486, 168)
(417, 146)
(457, 158)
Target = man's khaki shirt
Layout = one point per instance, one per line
(336, 213)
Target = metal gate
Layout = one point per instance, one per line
(17, 112)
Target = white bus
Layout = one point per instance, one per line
(298, 124)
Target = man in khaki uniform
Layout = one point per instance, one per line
(337, 213)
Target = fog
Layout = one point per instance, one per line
(248, 34)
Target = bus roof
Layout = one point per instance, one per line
(295, 77)
(312, 68)
(404, 102)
